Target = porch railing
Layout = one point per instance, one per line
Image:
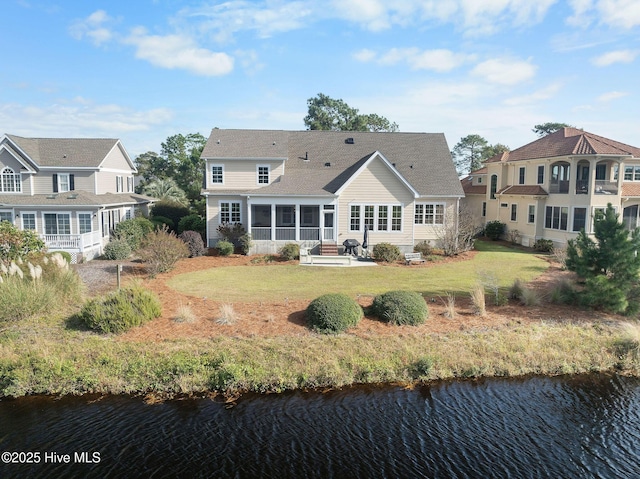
(263, 233)
(72, 242)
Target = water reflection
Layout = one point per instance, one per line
(583, 426)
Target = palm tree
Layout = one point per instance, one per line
(166, 190)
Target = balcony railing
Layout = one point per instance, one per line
(559, 187)
(606, 187)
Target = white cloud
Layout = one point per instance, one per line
(612, 95)
(618, 56)
(505, 71)
(535, 96)
(614, 13)
(176, 51)
(93, 27)
(439, 60)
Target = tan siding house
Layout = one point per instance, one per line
(324, 187)
(550, 188)
(67, 190)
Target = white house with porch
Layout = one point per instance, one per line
(319, 188)
(71, 191)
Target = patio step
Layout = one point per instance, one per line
(329, 249)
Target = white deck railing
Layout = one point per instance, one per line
(72, 242)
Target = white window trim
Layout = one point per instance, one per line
(35, 219)
(68, 177)
(535, 214)
(210, 179)
(90, 213)
(376, 217)
(17, 180)
(569, 226)
(119, 184)
(230, 202)
(57, 213)
(13, 216)
(424, 214)
(130, 187)
(268, 167)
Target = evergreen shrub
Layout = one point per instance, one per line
(333, 313)
(401, 307)
(290, 251)
(117, 249)
(494, 230)
(386, 252)
(121, 310)
(423, 248)
(225, 248)
(543, 245)
(194, 242)
(192, 222)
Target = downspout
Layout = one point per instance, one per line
(457, 221)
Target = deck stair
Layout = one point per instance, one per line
(329, 249)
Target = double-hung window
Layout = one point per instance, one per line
(217, 174)
(531, 217)
(230, 212)
(84, 223)
(119, 184)
(429, 213)
(514, 212)
(28, 221)
(263, 174)
(375, 217)
(521, 173)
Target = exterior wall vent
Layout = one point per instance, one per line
(327, 164)
(349, 141)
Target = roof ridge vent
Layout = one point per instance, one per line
(349, 141)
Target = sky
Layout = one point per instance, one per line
(144, 70)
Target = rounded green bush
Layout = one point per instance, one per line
(225, 248)
(65, 255)
(121, 310)
(194, 242)
(333, 313)
(494, 229)
(424, 248)
(401, 307)
(117, 249)
(290, 251)
(386, 252)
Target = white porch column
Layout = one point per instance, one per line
(273, 222)
(297, 207)
(249, 219)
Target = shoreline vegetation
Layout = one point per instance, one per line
(43, 364)
(56, 355)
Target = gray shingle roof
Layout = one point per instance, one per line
(73, 199)
(320, 162)
(65, 152)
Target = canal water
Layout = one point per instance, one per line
(562, 427)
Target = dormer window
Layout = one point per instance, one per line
(10, 181)
(63, 182)
(263, 174)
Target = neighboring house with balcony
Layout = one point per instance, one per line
(323, 187)
(72, 192)
(551, 187)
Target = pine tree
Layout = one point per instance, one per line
(609, 265)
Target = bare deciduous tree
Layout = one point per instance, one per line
(456, 237)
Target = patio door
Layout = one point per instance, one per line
(328, 230)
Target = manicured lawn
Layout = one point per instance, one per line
(493, 262)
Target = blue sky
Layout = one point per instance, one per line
(144, 70)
